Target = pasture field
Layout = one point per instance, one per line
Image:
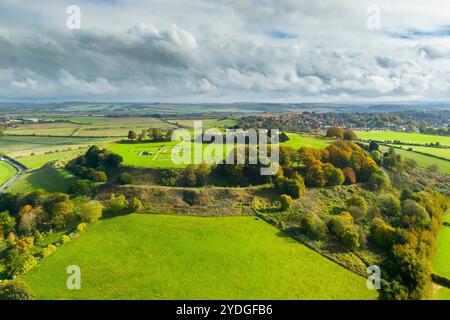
(90, 127)
(145, 256)
(6, 172)
(297, 141)
(439, 152)
(15, 146)
(443, 294)
(206, 123)
(384, 135)
(423, 160)
(49, 178)
(442, 262)
(37, 161)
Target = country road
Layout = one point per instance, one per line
(20, 170)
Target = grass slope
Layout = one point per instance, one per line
(442, 262)
(422, 159)
(173, 257)
(384, 135)
(49, 178)
(6, 172)
(297, 141)
(37, 161)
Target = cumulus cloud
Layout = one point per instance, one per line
(226, 50)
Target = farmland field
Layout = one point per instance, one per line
(297, 141)
(15, 146)
(206, 123)
(384, 135)
(90, 127)
(37, 161)
(6, 172)
(439, 152)
(143, 256)
(442, 261)
(49, 178)
(423, 160)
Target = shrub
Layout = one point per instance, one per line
(134, 205)
(48, 251)
(81, 227)
(389, 205)
(125, 178)
(357, 201)
(190, 196)
(313, 226)
(91, 211)
(7, 223)
(415, 214)
(344, 229)
(286, 202)
(350, 176)
(378, 180)
(382, 234)
(259, 203)
(15, 290)
(117, 205)
(80, 188)
(333, 175)
(99, 176)
(20, 265)
(64, 239)
(37, 236)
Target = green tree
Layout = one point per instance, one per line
(80, 188)
(349, 135)
(7, 223)
(134, 205)
(333, 175)
(132, 135)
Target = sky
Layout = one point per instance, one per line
(225, 50)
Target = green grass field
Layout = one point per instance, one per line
(38, 160)
(15, 146)
(443, 294)
(406, 137)
(423, 160)
(49, 178)
(206, 123)
(6, 172)
(297, 141)
(90, 127)
(143, 256)
(439, 152)
(442, 262)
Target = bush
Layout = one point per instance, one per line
(37, 236)
(117, 205)
(313, 226)
(286, 202)
(259, 203)
(191, 196)
(350, 176)
(48, 251)
(15, 290)
(378, 180)
(415, 214)
(125, 178)
(64, 239)
(382, 234)
(20, 265)
(333, 175)
(357, 201)
(81, 227)
(389, 205)
(134, 205)
(344, 229)
(80, 188)
(91, 211)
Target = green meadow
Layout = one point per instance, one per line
(423, 160)
(144, 256)
(442, 262)
(6, 172)
(384, 135)
(438, 152)
(49, 178)
(297, 141)
(37, 161)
